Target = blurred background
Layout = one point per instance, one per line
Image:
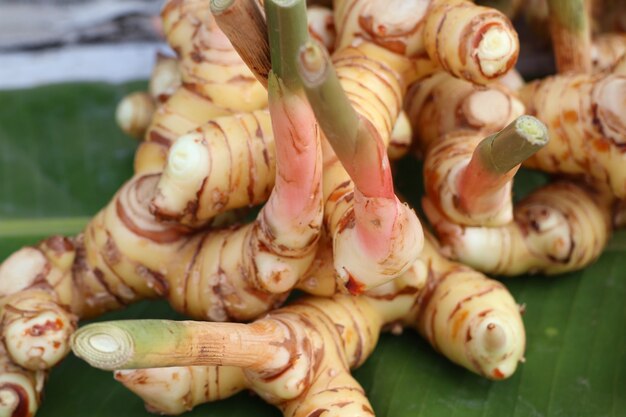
(51, 41)
(54, 41)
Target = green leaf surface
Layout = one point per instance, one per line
(62, 158)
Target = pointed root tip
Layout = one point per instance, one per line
(611, 111)
(362, 264)
(497, 346)
(134, 114)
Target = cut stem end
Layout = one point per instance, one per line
(517, 142)
(313, 63)
(482, 185)
(288, 31)
(533, 130)
(103, 345)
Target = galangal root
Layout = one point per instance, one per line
(308, 129)
(299, 357)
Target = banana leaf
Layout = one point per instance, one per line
(61, 160)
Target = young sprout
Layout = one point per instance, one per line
(495, 161)
(134, 113)
(384, 234)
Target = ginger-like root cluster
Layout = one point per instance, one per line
(471, 42)
(298, 357)
(331, 220)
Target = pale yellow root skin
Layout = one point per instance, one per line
(230, 163)
(446, 301)
(324, 339)
(176, 390)
(36, 328)
(440, 104)
(227, 163)
(472, 320)
(134, 113)
(373, 79)
(444, 164)
(586, 118)
(34, 321)
(512, 80)
(322, 26)
(559, 228)
(215, 81)
(395, 25)
(474, 43)
(238, 265)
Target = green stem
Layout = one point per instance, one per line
(288, 30)
(134, 344)
(333, 110)
(570, 29)
(503, 151)
(353, 139)
(356, 145)
(571, 14)
(482, 184)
